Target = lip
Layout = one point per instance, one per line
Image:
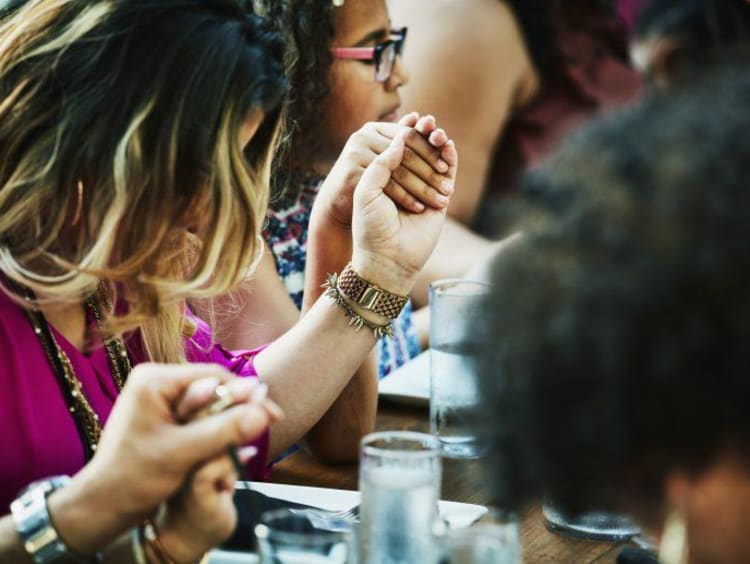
(390, 115)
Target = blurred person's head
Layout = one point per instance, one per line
(679, 41)
(618, 376)
(134, 142)
(333, 95)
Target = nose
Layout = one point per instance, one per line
(399, 76)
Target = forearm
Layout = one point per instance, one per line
(457, 252)
(350, 417)
(314, 360)
(329, 249)
(84, 516)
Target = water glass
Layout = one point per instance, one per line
(285, 537)
(495, 539)
(399, 477)
(594, 525)
(456, 343)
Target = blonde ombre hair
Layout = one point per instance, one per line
(120, 158)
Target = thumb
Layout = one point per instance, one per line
(378, 172)
(409, 120)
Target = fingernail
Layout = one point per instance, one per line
(260, 393)
(442, 166)
(442, 199)
(206, 386)
(246, 453)
(418, 206)
(447, 187)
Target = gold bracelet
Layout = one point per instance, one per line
(356, 320)
(151, 535)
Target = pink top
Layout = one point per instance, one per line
(38, 436)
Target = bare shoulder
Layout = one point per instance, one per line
(468, 40)
(466, 23)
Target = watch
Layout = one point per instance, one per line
(37, 532)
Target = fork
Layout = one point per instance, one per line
(337, 521)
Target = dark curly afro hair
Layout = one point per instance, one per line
(621, 321)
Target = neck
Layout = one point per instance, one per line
(69, 320)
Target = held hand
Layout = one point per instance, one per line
(421, 179)
(202, 514)
(145, 448)
(391, 245)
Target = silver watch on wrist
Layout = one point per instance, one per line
(34, 526)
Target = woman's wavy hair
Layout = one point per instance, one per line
(620, 321)
(310, 29)
(119, 152)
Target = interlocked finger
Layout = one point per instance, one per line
(402, 198)
(418, 188)
(426, 173)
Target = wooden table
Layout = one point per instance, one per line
(461, 482)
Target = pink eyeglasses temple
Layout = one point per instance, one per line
(359, 53)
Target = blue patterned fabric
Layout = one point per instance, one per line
(286, 235)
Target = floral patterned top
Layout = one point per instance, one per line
(286, 235)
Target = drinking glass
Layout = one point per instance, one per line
(495, 539)
(285, 537)
(399, 477)
(456, 343)
(594, 525)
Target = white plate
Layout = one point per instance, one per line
(409, 384)
(457, 514)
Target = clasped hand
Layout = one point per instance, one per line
(391, 186)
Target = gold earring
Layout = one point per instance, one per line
(79, 205)
(673, 548)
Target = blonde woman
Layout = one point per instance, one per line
(134, 143)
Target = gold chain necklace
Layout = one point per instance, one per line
(86, 419)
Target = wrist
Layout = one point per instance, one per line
(178, 544)
(76, 512)
(384, 273)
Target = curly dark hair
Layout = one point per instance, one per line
(706, 29)
(311, 28)
(621, 319)
(309, 25)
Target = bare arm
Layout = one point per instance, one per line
(255, 314)
(353, 413)
(389, 246)
(470, 69)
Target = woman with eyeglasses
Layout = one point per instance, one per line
(343, 112)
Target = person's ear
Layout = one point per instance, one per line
(657, 58)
